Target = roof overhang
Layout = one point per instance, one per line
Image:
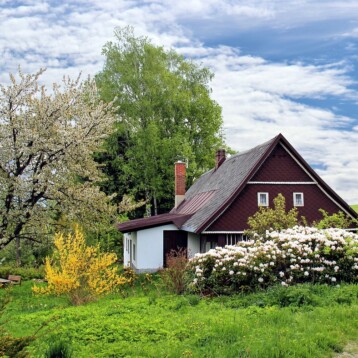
(145, 223)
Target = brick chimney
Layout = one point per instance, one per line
(220, 158)
(180, 174)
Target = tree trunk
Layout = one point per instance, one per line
(18, 252)
(155, 205)
(148, 205)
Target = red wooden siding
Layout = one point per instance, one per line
(280, 166)
(235, 217)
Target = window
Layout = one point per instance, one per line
(298, 199)
(134, 251)
(262, 199)
(233, 239)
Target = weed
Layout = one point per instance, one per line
(59, 349)
(174, 275)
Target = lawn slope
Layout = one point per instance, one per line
(307, 321)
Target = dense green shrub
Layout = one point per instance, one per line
(338, 220)
(292, 256)
(26, 273)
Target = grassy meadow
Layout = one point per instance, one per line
(355, 207)
(147, 321)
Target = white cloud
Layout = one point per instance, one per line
(259, 98)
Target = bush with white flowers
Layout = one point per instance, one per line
(297, 255)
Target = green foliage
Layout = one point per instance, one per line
(165, 112)
(295, 296)
(109, 240)
(32, 254)
(338, 220)
(26, 273)
(9, 345)
(273, 219)
(58, 349)
(247, 325)
(355, 207)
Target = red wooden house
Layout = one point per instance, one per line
(215, 209)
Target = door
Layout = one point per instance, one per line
(173, 240)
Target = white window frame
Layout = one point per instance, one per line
(233, 239)
(295, 201)
(258, 199)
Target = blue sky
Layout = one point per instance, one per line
(280, 66)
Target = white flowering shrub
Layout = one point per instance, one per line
(296, 255)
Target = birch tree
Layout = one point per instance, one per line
(167, 114)
(47, 139)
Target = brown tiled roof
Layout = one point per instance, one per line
(222, 184)
(145, 223)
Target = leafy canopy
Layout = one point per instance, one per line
(166, 114)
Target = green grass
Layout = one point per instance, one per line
(355, 207)
(303, 321)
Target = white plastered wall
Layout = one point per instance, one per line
(148, 255)
(193, 244)
(150, 248)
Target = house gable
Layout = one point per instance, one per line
(279, 166)
(235, 217)
(283, 171)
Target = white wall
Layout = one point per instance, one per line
(193, 244)
(126, 238)
(129, 239)
(150, 247)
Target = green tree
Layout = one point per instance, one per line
(166, 114)
(337, 220)
(276, 218)
(46, 164)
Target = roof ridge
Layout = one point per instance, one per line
(253, 148)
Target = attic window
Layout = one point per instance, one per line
(298, 199)
(262, 199)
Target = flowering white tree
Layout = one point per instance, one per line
(46, 146)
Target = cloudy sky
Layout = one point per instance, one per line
(281, 66)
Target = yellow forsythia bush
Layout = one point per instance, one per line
(80, 271)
